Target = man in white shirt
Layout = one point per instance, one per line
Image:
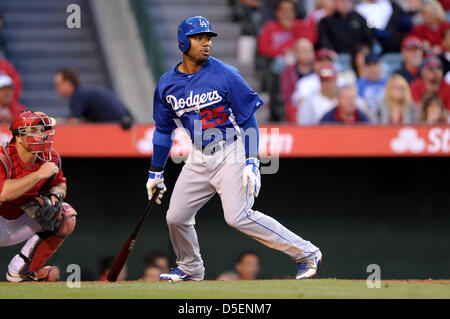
(313, 108)
(310, 84)
(376, 12)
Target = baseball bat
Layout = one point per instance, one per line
(125, 252)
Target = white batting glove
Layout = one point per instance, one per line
(252, 174)
(154, 178)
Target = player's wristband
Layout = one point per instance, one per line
(252, 161)
(255, 164)
(155, 175)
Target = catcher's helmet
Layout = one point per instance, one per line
(191, 26)
(38, 129)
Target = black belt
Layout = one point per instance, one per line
(214, 147)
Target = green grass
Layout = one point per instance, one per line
(258, 289)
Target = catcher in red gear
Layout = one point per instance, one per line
(32, 192)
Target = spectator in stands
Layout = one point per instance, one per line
(8, 107)
(371, 86)
(389, 22)
(324, 8)
(276, 45)
(346, 112)
(105, 264)
(445, 56)
(247, 265)
(278, 37)
(151, 273)
(11, 71)
(268, 9)
(431, 81)
(397, 106)
(344, 29)
(412, 58)
(312, 109)
(433, 110)
(304, 52)
(159, 259)
(432, 29)
(308, 85)
(90, 104)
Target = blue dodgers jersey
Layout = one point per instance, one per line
(215, 100)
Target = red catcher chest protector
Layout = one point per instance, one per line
(15, 168)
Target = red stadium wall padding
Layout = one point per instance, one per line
(110, 140)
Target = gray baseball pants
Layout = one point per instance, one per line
(201, 177)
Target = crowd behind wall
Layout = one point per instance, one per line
(344, 61)
(319, 61)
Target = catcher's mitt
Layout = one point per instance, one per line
(41, 209)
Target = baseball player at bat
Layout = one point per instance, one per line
(213, 103)
(32, 191)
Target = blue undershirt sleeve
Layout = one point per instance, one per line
(162, 143)
(250, 136)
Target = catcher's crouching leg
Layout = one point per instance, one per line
(39, 248)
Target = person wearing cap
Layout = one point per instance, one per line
(445, 56)
(346, 111)
(371, 86)
(313, 108)
(344, 29)
(8, 107)
(304, 52)
(412, 54)
(431, 80)
(88, 103)
(310, 84)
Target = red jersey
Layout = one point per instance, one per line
(425, 33)
(273, 39)
(418, 90)
(17, 169)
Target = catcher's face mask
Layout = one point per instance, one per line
(38, 130)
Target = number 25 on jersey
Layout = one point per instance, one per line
(213, 117)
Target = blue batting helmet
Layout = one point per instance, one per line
(191, 26)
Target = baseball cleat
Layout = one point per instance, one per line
(307, 268)
(47, 273)
(175, 274)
